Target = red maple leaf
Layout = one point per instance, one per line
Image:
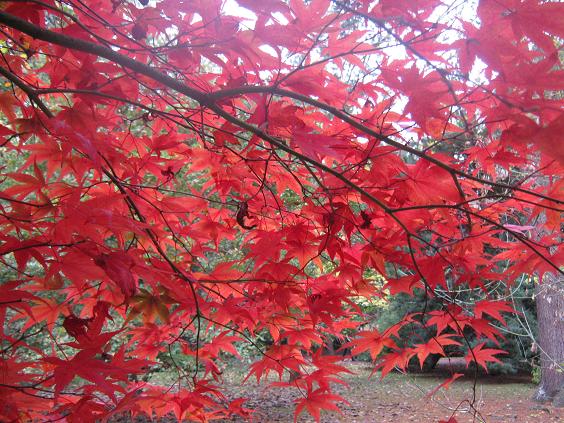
(117, 266)
(316, 401)
(481, 356)
(493, 309)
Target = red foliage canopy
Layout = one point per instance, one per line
(180, 176)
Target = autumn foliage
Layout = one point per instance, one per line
(182, 176)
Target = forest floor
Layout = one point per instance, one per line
(403, 398)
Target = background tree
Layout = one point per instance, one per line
(191, 176)
(550, 303)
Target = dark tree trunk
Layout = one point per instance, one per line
(550, 318)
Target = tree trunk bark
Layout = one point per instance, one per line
(550, 319)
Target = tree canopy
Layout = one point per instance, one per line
(179, 177)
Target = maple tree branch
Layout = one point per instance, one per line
(164, 114)
(102, 51)
(282, 146)
(168, 115)
(471, 200)
(208, 99)
(529, 243)
(359, 189)
(23, 336)
(153, 238)
(164, 255)
(25, 203)
(26, 89)
(233, 92)
(42, 244)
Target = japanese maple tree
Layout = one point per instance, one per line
(180, 176)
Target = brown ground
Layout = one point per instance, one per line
(403, 398)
